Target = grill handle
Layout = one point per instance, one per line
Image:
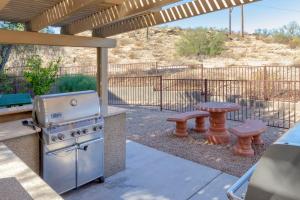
(237, 185)
(64, 150)
(84, 146)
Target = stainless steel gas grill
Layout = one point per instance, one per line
(72, 140)
(276, 176)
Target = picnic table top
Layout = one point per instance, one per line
(218, 106)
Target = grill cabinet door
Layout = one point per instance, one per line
(90, 161)
(59, 169)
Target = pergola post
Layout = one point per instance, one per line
(102, 78)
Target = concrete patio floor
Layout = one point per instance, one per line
(155, 175)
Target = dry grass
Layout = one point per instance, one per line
(297, 62)
(132, 55)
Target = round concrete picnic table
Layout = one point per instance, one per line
(217, 132)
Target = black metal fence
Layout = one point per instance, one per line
(268, 93)
(283, 73)
(265, 73)
(275, 102)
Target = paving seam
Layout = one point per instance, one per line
(204, 186)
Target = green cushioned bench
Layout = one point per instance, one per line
(8, 100)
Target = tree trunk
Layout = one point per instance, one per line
(4, 54)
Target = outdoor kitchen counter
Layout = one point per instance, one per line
(114, 141)
(16, 109)
(115, 111)
(15, 113)
(23, 141)
(13, 167)
(19, 138)
(15, 129)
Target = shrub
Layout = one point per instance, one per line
(40, 78)
(5, 83)
(294, 43)
(201, 42)
(73, 83)
(288, 34)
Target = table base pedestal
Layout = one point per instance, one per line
(217, 133)
(217, 138)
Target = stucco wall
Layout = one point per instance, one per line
(115, 144)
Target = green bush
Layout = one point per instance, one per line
(5, 83)
(73, 83)
(201, 42)
(40, 78)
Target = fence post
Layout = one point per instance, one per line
(202, 71)
(265, 84)
(161, 93)
(205, 90)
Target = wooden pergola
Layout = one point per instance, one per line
(104, 17)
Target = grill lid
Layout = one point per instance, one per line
(277, 173)
(61, 108)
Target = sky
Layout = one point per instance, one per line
(262, 14)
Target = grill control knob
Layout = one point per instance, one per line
(53, 138)
(100, 127)
(95, 128)
(85, 131)
(73, 133)
(78, 132)
(61, 136)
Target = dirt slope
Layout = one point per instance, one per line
(134, 47)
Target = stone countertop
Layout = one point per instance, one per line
(13, 167)
(14, 129)
(17, 109)
(115, 111)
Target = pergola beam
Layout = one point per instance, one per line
(127, 9)
(57, 13)
(33, 38)
(3, 3)
(190, 9)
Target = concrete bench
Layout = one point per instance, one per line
(248, 133)
(181, 122)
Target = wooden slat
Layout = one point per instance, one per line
(127, 9)
(161, 17)
(24, 10)
(3, 3)
(33, 38)
(57, 13)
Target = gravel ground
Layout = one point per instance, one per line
(148, 126)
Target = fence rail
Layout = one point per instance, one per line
(266, 73)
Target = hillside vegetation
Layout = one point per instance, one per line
(200, 42)
(288, 34)
(163, 46)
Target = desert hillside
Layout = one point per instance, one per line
(134, 47)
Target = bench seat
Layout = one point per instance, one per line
(248, 133)
(182, 118)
